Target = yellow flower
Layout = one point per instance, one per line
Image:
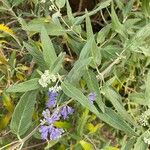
(6, 29)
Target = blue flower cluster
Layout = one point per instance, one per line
(47, 128)
(52, 99)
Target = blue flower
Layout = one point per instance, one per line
(66, 111)
(55, 133)
(44, 131)
(92, 97)
(50, 131)
(52, 99)
(47, 128)
(55, 117)
(46, 114)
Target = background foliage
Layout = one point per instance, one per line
(94, 46)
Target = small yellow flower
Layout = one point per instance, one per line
(6, 29)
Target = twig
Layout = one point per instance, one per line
(91, 142)
(31, 67)
(29, 147)
(103, 17)
(12, 143)
(29, 135)
(103, 73)
(80, 6)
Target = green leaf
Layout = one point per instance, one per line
(115, 120)
(49, 53)
(129, 144)
(75, 44)
(93, 86)
(140, 144)
(60, 3)
(93, 128)
(89, 29)
(110, 52)
(51, 144)
(86, 145)
(69, 13)
(82, 122)
(146, 7)
(110, 148)
(101, 5)
(128, 8)
(76, 94)
(57, 65)
(116, 25)
(25, 86)
(120, 3)
(90, 49)
(96, 55)
(102, 34)
(85, 52)
(138, 98)
(16, 2)
(37, 55)
(63, 124)
(140, 36)
(147, 91)
(37, 24)
(116, 100)
(22, 116)
(78, 70)
(110, 116)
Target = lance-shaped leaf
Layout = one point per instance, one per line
(48, 49)
(25, 86)
(140, 144)
(78, 70)
(110, 116)
(93, 86)
(37, 56)
(129, 144)
(57, 65)
(147, 92)
(116, 100)
(101, 5)
(22, 116)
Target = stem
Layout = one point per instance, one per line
(21, 146)
(70, 28)
(32, 146)
(86, 137)
(111, 65)
(8, 145)
(29, 135)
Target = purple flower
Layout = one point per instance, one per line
(52, 99)
(55, 117)
(92, 97)
(66, 111)
(44, 131)
(55, 133)
(46, 114)
(47, 128)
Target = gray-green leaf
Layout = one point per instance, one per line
(22, 116)
(116, 100)
(140, 144)
(93, 86)
(48, 49)
(147, 92)
(110, 116)
(60, 3)
(25, 86)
